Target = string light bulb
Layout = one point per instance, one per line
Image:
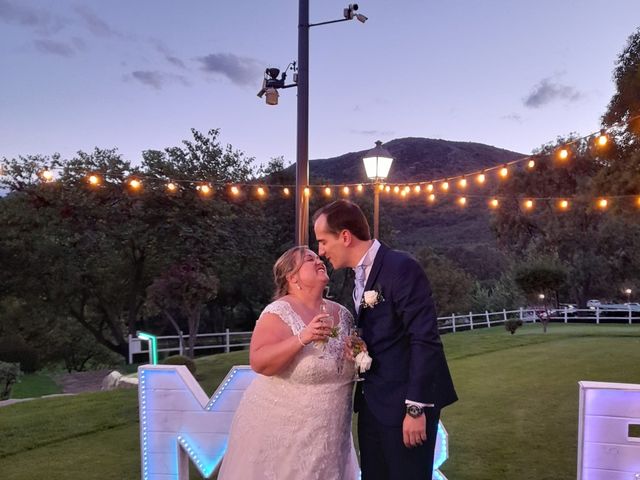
(494, 203)
(387, 188)
(396, 189)
(528, 204)
(261, 191)
(327, 191)
(481, 178)
(417, 188)
(603, 203)
(359, 188)
(406, 189)
(504, 172)
(602, 139)
(345, 190)
(445, 185)
(47, 175)
(430, 188)
(462, 201)
(171, 187)
(204, 189)
(462, 183)
(381, 187)
(432, 197)
(531, 163)
(563, 204)
(234, 190)
(94, 180)
(307, 192)
(134, 184)
(563, 154)
(286, 191)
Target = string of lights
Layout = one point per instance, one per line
(433, 188)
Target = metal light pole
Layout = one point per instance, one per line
(377, 163)
(270, 88)
(302, 149)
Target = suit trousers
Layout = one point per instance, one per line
(383, 455)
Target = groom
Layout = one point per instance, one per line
(399, 402)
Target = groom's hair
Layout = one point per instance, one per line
(345, 215)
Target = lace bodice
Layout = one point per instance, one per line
(297, 424)
(316, 363)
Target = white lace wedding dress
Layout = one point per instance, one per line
(297, 425)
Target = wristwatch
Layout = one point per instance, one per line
(414, 411)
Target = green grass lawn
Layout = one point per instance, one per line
(35, 385)
(516, 418)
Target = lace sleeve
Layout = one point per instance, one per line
(283, 310)
(345, 317)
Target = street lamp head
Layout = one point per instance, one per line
(361, 18)
(377, 162)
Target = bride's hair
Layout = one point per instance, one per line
(288, 263)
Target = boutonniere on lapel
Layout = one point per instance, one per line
(371, 298)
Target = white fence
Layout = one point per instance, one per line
(454, 323)
(178, 344)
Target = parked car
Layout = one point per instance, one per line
(593, 304)
(568, 308)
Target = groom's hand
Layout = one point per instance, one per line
(414, 430)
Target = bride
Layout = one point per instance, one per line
(294, 420)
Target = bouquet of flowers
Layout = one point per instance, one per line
(361, 357)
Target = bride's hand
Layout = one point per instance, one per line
(349, 344)
(317, 330)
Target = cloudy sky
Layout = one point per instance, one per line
(139, 74)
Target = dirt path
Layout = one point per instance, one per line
(79, 382)
(71, 383)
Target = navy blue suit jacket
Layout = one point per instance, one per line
(402, 337)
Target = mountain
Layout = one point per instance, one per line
(463, 234)
(415, 159)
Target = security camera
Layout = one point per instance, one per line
(361, 18)
(349, 12)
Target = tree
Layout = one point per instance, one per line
(89, 253)
(593, 245)
(501, 294)
(625, 103)
(541, 276)
(451, 286)
(183, 290)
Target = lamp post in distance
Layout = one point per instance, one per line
(377, 163)
(270, 86)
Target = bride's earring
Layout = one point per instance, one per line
(298, 286)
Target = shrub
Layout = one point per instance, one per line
(181, 360)
(9, 373)
(13, 349)
(512, 325)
